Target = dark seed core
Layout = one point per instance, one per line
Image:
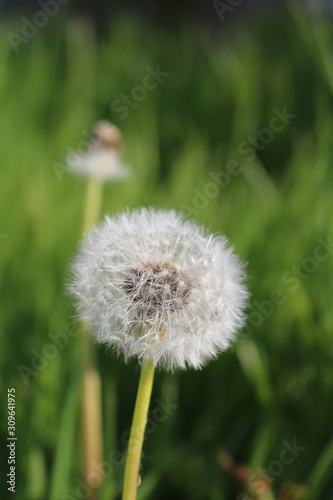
(158, 286)
(107, 135)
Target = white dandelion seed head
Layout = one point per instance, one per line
(103, 156)
(154, 286)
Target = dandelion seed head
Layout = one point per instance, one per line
(103, 156)
(156, 287)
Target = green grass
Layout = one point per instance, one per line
(276, 384)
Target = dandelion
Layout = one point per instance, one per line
(102, 162)
(103, 159)
(156, 287)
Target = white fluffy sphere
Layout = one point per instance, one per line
(102, 159)
(154, 286)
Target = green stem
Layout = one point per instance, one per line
(91, 383)
(91, 419)
(137, 432)
(93, 202)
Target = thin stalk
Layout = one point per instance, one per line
(91, 422)
(93, 202)
(91, 383)
(137, 432)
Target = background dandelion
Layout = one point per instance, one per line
(102, 160)
(100, 163)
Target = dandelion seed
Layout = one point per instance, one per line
(156, 287)
(103, 159)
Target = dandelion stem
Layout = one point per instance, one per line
(93, 202)
(137, 432)
(91, 384)
(91, 421)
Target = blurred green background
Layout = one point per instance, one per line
(275, 385)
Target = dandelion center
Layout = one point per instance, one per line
(158, 286)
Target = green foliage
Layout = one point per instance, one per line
(276, 384)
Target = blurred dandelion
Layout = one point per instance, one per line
(101, 163)
(103, 158)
